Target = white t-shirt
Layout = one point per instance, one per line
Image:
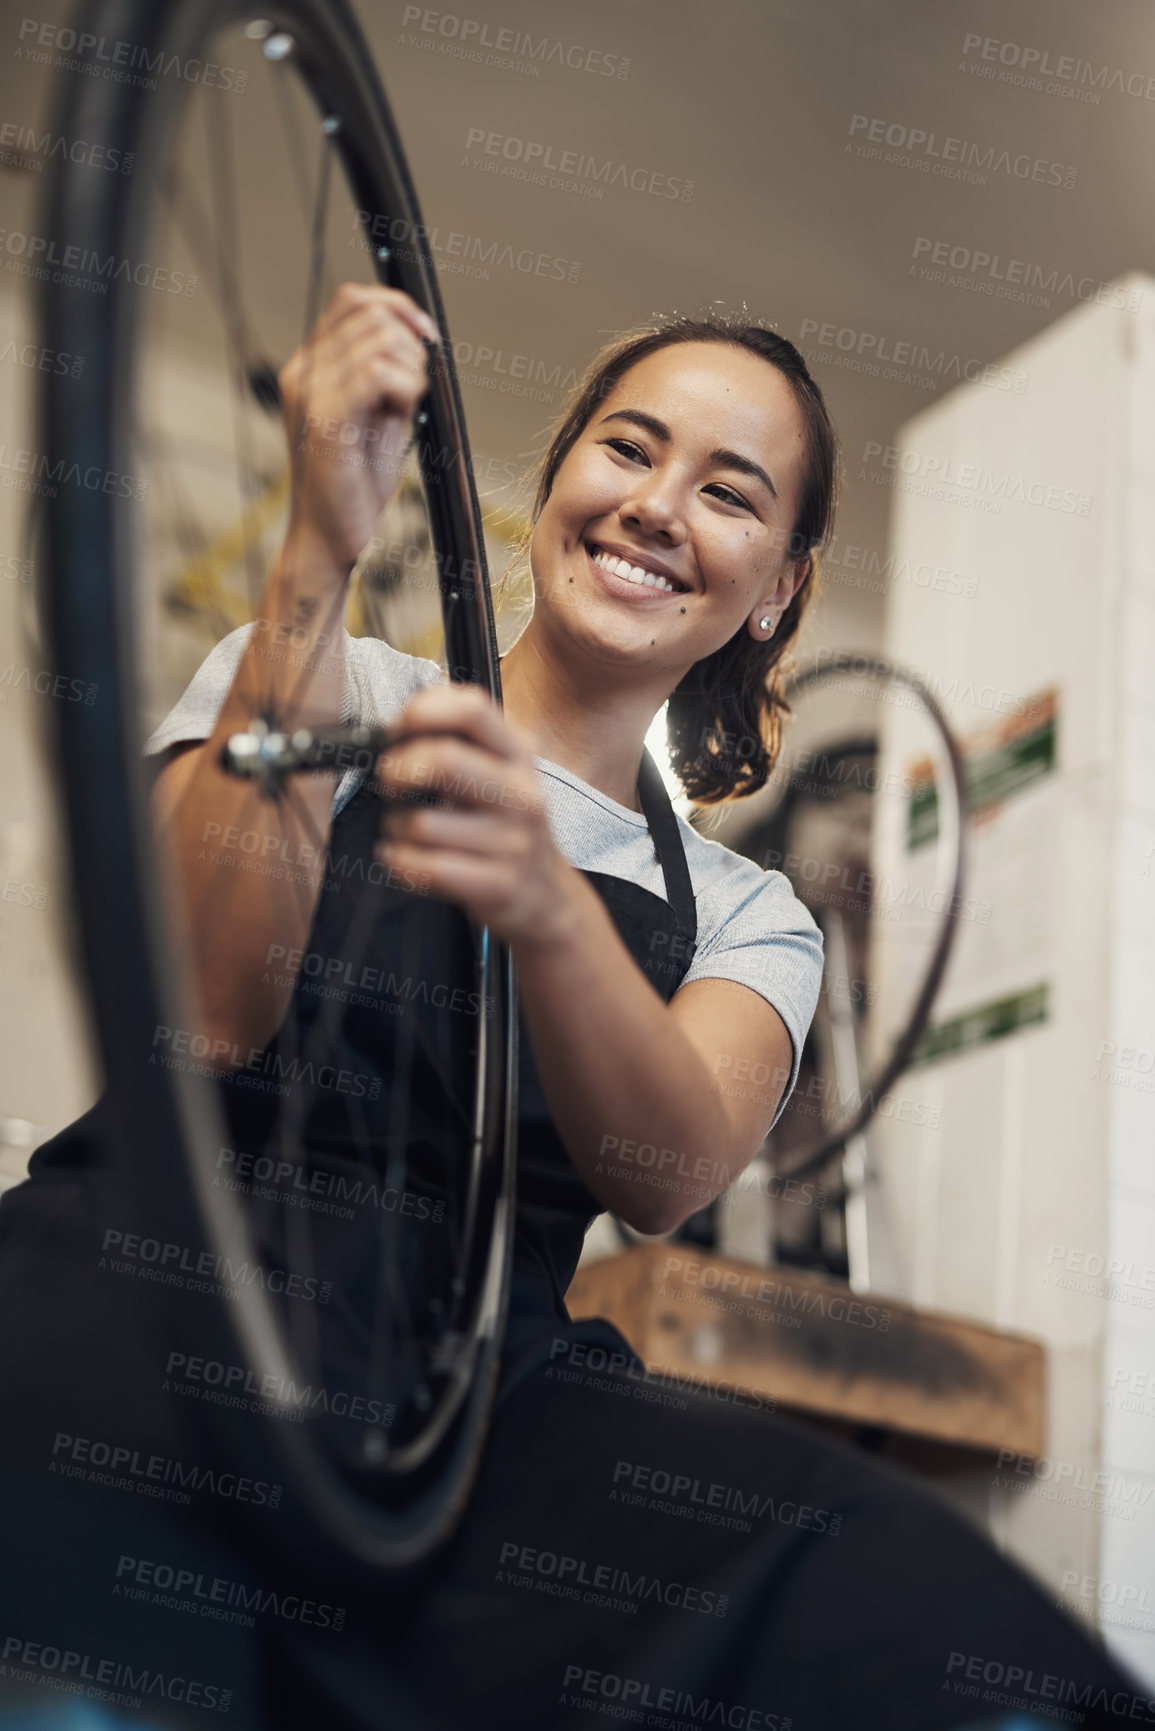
(752, 928)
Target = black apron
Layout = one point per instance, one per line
(385, 965)
(631, 1551)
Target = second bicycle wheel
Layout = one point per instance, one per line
(336, 1209)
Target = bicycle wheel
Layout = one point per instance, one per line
(838, 799)
(832, 807)
(321, 171)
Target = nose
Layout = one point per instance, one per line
(654, 508)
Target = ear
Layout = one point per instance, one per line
(774, 604)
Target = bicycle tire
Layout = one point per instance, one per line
(902, 1048)
(89, 623)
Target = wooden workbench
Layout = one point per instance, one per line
(932, 1390)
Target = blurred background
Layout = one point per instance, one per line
(947, 210)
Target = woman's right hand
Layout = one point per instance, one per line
(348, 395)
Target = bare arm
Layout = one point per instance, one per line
(621, 1069)
(363, 368)
(226, 917)
(632, 1082)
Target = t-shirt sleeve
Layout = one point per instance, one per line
(379, 681)
(756, 932)
(193, 716)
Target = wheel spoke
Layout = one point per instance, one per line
(227, 257)
(294, 144)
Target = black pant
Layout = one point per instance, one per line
(815, 1587)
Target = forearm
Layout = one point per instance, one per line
(618, 1066)
(617, 1069)
(355, 381)
(232, 918)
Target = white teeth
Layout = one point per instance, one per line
(633, 573)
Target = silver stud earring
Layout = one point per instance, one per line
(766, 622)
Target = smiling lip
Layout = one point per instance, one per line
(632, 588)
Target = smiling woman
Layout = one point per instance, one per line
(712, 377)
(692, 460)
(672, 550)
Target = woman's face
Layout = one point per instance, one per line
(691, 470)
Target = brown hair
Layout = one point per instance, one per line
(724, 719)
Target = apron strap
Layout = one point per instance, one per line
(668, 845)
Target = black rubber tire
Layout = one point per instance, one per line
(902, 1048)
(89, 621)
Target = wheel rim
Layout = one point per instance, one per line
(89, 616)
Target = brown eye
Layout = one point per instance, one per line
(731, 498)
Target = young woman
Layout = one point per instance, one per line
(674, 528)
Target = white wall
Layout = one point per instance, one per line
(1032, 1206)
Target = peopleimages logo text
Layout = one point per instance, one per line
(117, 60)
(129, 1252)
(127, 1468)
(1038, 63)
(974, 478)
(215, 1595)
(631, 1694)
(957, 157)
(91, 269)
(65, 1662)
(1016, 277)
(509, 49)
(520, 1565)
(576, 165)
(36, 148)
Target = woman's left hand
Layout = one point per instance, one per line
(488, 848)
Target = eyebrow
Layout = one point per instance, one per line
(726, 459)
